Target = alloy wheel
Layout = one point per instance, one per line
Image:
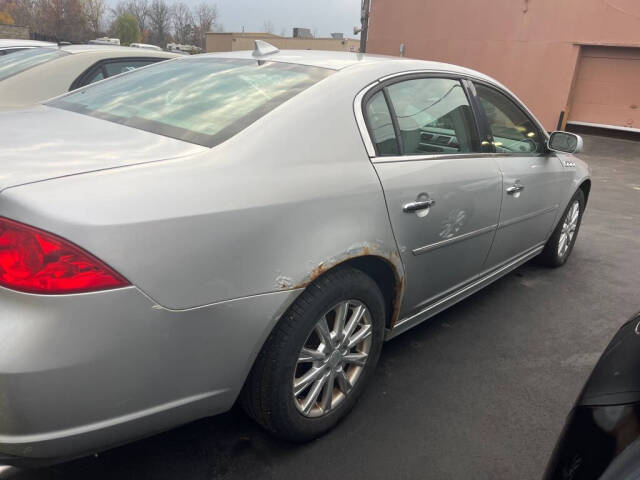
(569, 226)
(332, 358)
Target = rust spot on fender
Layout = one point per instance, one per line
(316, 272)
(365, 249)
(397, 301)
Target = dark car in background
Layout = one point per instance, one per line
(601, 438)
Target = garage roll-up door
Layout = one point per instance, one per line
(607, 88)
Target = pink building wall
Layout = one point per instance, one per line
(531, 46)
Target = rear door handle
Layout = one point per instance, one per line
(515, 188)
(422, 205)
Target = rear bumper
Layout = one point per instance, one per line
(79, 373)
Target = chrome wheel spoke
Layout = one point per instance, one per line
(356, 358)
(561, 245)
(356, 316)
(309, 355)
(313, 393)
(360, 335)
(341, 317)
(307, 379)
(574, 215)
(322, 329)
(327, 395)
(344, 382)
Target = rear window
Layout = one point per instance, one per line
(198, 100)
(25, 59)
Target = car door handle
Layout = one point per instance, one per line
(515, 188)
(422, 205)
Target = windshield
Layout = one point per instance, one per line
(198, 100)
(25, 59)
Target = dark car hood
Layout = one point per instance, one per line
(616, 377)
(45, 142)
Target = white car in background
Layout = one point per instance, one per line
(10, 45)
(146, 46)
(31, 76)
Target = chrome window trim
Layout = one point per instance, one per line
(447, 156)
(459, 75)
(449, 241)
(358, 108)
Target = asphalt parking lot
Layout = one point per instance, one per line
(480, 392)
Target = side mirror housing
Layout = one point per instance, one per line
(565, 142)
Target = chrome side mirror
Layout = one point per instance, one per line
(565, 142)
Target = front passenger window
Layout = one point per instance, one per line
(434, 116)
(512, 130)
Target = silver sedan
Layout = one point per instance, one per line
(251, 227)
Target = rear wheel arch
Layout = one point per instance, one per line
(386, 277)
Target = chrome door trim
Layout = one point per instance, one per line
(439, 305)
(362, 124)
(528, 216)
(446, 156)
(449, 241)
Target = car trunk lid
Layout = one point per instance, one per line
(43, 142)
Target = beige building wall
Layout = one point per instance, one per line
(227, 42)
(531, 46)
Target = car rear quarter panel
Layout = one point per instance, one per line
(268, 210)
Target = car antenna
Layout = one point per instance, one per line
(263, 48)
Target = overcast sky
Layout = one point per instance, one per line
(326, 16)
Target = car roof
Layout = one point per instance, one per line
(73, 49)
(15, 42)
(315, 58)
(342, 60)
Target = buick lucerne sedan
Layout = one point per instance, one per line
(251, 227)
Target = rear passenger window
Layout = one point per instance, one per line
(381, 125)
(434, 116)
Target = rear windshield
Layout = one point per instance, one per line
(198, 100)
(25, 59)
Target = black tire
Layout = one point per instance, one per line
(267, 395)
(550, 256)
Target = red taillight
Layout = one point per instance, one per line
(38, 262)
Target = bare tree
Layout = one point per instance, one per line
(120, 8)
(61, 19)
(183, 23)
(95, 10)
(22, 11)
(205, 15)
(140, 10)
(159, 22)
(267, 26)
